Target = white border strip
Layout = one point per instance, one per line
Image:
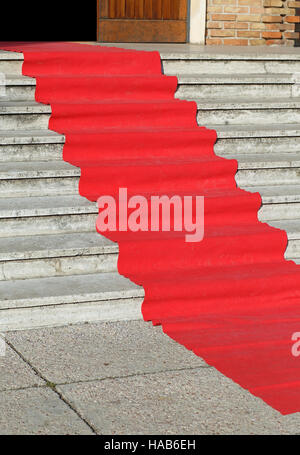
(197, 21)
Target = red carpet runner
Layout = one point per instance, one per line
(231, 298)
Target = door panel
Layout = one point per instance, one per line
(142, 21)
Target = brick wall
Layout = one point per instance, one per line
(252, 22)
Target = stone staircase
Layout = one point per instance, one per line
(54, 268)
(253, 102)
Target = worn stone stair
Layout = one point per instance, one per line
(54, 268)
(251, 98)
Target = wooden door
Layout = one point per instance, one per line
(142, 21)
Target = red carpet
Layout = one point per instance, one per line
(231, 298)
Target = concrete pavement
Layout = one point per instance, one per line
(122, 378)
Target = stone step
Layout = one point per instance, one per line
(23, 115)
(245, 111)
(22, 88)
(201, 60)
(280, 202)
(208, 60)
(49, 178)
(292, 228)
(257, 139)
(45, 145)
(80, 253)
(249, 85)
(266, 160)
(65, 214)
(271, 176)
(19, 88)
(70, 299)
(11, 62)
(248, 131)
(42, 256)
(31, 145)
(34, 178)
(46, 215)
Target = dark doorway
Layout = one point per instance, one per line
(36, 20)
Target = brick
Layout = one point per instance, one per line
(272, 42)
(223, 2)
(248, 18)
(236, 25)
(293, 4)
(293, 35)
(214, 9)
(214, 25)
(257, 10)
(281, 11)
(290, 27)
(222, 33)
(293, 19)
(236, 9)
(224, 17)
(272, 19)
(248, 34)
(257, 26)
(272, 35)
(257, 42)
(214, 42)
(236, 42)
(250, 2)
(280, 27)
(268, 3)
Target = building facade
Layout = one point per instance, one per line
(210, 22)
(252, 22)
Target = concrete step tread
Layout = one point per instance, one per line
(211, 79)
(30, 137)
(55, 245)
(276, 194)
(253, 78)
(37, 169)
(19, 79)
(57, 169)
(266, 160)
(19, 107)
(45, 136)
(75, 204)
(292, 227)
(23, 107)
(246, 103)
(67, 289)
(257, 130)
(196, 52)
(8, 55)
(45, 206)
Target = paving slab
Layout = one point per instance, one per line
(38, 412)
(96, 351)
(199, 401)
(15, 373)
